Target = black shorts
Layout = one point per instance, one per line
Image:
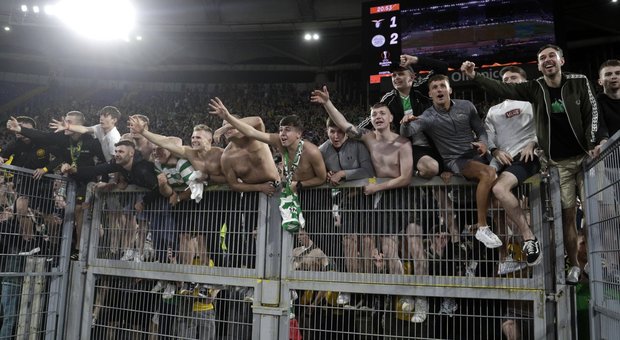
(457, 165)
(421, 151)
(522, 170)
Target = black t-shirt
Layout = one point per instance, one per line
(564, 144)
(609, 114)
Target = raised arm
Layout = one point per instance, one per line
(217, 108)
(138, 126)
(521, 91)
(322, 97)
(62, 125)
(254, 121)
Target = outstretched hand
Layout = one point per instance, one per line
(13, 125)
(59, 125)
(468, 68)
(320, 96)
(217, 108)
(136, 125)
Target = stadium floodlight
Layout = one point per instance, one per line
(35, 9)
(139, 37)
(315, 36)
(49, 9)
(7, 28)
(308, 37)
(98, 19)
(24, 8)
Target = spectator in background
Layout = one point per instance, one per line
(81, 150)
(609, 100)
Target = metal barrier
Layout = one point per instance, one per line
(602, 186)
(226, 265)
(36, 222)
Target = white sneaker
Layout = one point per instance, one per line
(406, 304)
(509, 265)
(128, 255)
(486, 236)
(448, 306)
(421, 309)
(344, 299)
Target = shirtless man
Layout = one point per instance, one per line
(200, 154)
(311, 170)
(392, 158)
(247, 163)
(143, 146)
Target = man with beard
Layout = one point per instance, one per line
(566, 120)
(81, 150)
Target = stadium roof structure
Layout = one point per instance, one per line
(236, 36)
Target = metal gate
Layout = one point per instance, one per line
(224, 269)
(602, 186)
(36, 221)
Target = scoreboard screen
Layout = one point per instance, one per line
(382, 38)
(488, 32)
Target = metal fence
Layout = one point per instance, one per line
(224, 269)
(602, 186)
(364, 267)
(35, 234)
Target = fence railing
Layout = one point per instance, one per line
(36, 221)
(602, 186)
(237, 275)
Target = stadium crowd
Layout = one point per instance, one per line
(422, 132)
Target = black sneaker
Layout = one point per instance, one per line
(531, 250)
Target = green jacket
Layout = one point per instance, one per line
(577, 95)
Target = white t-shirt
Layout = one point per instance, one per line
(107, 140)
(510, 126)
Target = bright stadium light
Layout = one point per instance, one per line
(98, 19)
(35, 9)
(49, 9)
(315, 36)
(308, 36)
(7, 28)
(24, 8)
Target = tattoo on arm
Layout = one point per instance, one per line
(356, 133)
